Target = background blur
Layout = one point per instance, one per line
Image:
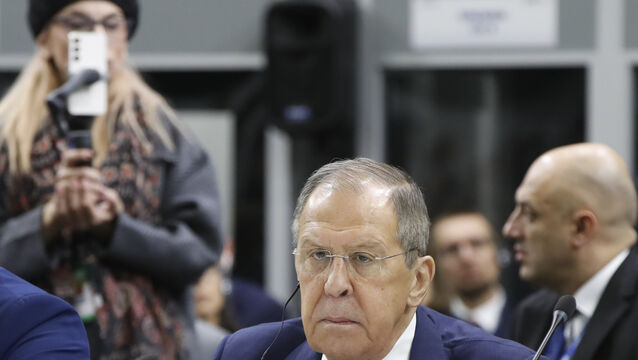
(465, 121)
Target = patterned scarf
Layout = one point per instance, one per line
(136, 318)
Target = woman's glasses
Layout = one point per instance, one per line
(112, 24)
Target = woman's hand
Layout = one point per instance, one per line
(80, 201)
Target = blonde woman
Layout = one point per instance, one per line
(123, 239)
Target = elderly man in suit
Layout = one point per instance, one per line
(37, 325)
(573, 233)
(360, 233)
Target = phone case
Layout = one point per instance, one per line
(87, 50)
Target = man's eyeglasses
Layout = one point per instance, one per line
(366, 265)
(112, 24)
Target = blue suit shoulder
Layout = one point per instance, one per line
(250, 343)
(460, 340)
(437, 337)
(35, 324)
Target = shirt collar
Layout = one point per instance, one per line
(486, 315)
(589, 294)
(401, 349)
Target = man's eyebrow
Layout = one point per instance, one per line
(370, 243)
(308, 241)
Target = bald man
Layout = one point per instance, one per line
(573, 233)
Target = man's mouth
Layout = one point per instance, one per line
(519, 254)
(338, 320)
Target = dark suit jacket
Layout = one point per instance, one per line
(611, 333)
(252, 305)
(37, 325)
(437, 337)
(505, 321)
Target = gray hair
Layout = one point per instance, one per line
(413, 229)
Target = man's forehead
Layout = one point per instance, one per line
(528, 196)
(311, 237)
(538, 178)
(462, 226)
(371, 194)
(334, 211)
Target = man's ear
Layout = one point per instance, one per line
(585, 224)
(423, 270)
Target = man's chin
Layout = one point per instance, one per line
(343, 341)
(526, 273)
(341, 350)
(475, 290)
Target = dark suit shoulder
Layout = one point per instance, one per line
(611, 331)
(533, 318)
(253, 306)
(541, 300)
(251, 342)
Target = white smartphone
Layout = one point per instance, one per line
(87, 50)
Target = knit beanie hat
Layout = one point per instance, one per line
(42, 11)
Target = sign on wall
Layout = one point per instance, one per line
(483, 23)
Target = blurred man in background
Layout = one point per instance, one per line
(573, 234)
(467, 255)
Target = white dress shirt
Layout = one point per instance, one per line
(401, 349)
(486, 315)
(588, 296)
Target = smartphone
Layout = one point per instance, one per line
(88, 50)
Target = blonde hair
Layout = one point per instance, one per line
(23, 111)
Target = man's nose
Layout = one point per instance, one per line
(466, 252)
(510, 229)
(338, 283)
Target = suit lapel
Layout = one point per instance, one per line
(540, 326)
(504, 328)
(427, 343)
(614, 302)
